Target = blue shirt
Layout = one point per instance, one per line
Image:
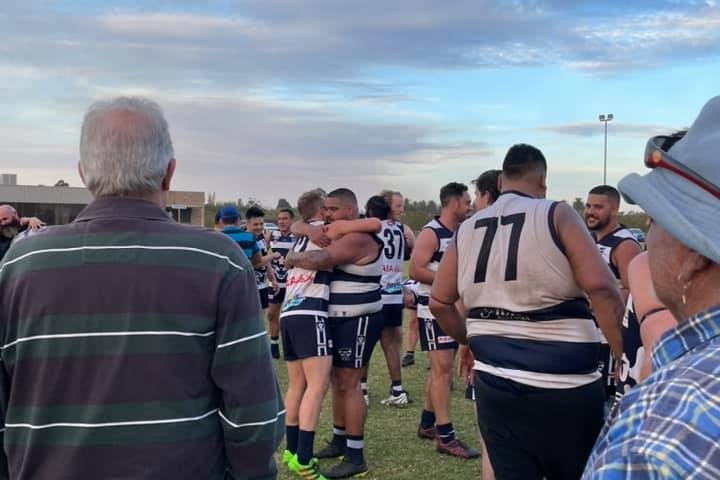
(668, 427)
(245, 240)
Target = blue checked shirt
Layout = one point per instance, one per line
(669, 426)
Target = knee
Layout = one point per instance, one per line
(346, 383)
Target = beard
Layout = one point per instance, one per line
(600, 223)
(11, 229)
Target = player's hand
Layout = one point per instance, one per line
(318, 237)
(290, 259)
(275, 286)
(466, 362)
(35, 223)
(276, 255)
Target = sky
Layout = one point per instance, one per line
(269, 98)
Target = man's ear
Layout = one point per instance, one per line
(165, 185)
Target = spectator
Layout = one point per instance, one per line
(667, 427)
(12, 225)
(134, 347)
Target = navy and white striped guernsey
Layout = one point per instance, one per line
(261, 273)
(355, 289)
(393, 256)
(281, 244)
(528, 321)
(444, 236)
(307, 291)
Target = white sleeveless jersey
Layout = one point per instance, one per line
(355, 289)
(444, 236)
(528, 321)
(392, 262)
(308, 291)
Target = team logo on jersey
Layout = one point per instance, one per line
(292, 302)
(392, 289)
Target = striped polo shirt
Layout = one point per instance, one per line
(244, 239)
(134, 348)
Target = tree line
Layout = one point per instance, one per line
(417, 212)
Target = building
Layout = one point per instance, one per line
(59, 205)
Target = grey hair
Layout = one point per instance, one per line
(125, 147)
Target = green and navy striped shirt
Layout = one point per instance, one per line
(134, 348)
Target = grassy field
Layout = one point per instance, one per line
(392, 449)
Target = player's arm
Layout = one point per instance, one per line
(655, 319)
(444, 297)
(425, 247)
(591, 274)
(409, 237)
(352, 248)
(621, 257)
(338, 228)
(256, 260)
(316, 234)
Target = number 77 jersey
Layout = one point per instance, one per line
(527, 317)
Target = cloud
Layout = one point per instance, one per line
(593, 129)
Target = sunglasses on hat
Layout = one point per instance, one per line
(656, 157)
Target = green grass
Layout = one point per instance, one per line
(392, 449)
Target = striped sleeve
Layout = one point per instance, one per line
(252, 407)
(4, 398)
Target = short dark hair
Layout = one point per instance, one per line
(310, 202)
(610, 192)
(452, 189)
(254, 212)
(488, 182)
(344, 194)
(522, 159)
(288, 211)
(377, 207)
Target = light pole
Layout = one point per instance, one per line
(605, 119)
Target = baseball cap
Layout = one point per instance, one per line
(680, 206)
(229, 213)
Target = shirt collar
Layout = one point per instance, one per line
(109, 207)
(687, 335)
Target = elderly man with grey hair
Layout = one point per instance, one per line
(133, 347)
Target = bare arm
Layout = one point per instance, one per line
(352, 248)
(444, 297)
(622, 255)
(592, 275)
(425, 247)
(654, 318)
(338, 228)
(316, 234)
(409, 237)
(256, 260)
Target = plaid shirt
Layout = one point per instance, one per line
(669, 426)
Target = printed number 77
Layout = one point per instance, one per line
(517, 221)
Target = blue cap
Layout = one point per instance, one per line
(229, 213)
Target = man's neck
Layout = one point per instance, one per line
(448, 219)
(609, 228)
(284, 233)
(520, 186)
